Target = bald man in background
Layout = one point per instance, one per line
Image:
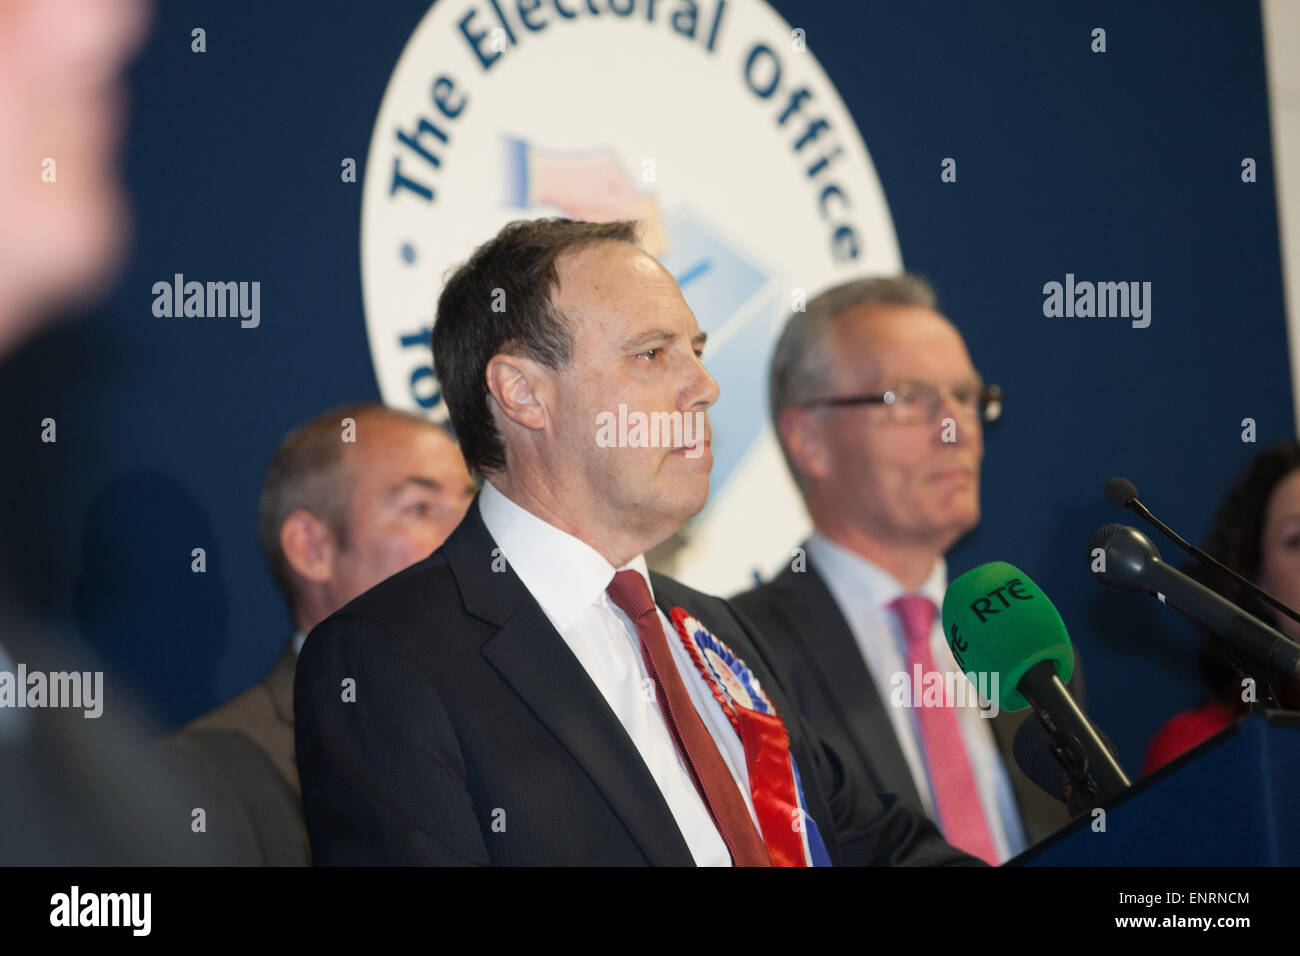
(351, 498)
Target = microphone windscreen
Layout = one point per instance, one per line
(1101, 537)
(1120, 491)
(1120, 557)
(999, 622)
(1032, 749)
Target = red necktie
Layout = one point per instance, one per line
(714, 782)
(956, 799)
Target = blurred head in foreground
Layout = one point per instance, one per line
(63, 212)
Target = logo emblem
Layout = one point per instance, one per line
(709, 122)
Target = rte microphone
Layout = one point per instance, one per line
(1132, 563)
(1122, 493)
(999, 622)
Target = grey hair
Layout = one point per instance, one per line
(801, 363)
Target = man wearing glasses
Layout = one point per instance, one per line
(879, 412)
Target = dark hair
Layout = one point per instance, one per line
(500, 300)
(1236, 538)
(305, 472)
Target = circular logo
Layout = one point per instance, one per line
(711, 122)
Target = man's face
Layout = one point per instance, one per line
(637, 344)
(61, 99)
(901, 483)
(411, 489)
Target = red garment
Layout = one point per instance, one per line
(1184, 731)
(698, 750)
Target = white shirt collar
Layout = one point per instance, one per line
(863, 590)
(850, 573)
(564, 574)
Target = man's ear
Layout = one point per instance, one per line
(802, 435)
(309, 546)
(522, 389)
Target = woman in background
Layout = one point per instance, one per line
(1256, 533)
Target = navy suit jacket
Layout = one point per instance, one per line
(441, 719)
(817, 658)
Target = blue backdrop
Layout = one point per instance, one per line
(1117, 166)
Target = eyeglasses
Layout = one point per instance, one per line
(920, 403)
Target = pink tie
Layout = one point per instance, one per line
(956, 799)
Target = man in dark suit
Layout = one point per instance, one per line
(878, 409)
(530, 694)
(349, 498)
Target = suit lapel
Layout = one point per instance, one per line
(531, 656)
(830, 650)
(715, 615)
(668, 596)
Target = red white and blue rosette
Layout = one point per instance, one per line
(788, 830)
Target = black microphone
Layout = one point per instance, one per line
(1122, 493)
(1053, 765)
(1132, 563)
(1052, 772)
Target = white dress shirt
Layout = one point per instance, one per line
(568, 578)
(864, 591)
